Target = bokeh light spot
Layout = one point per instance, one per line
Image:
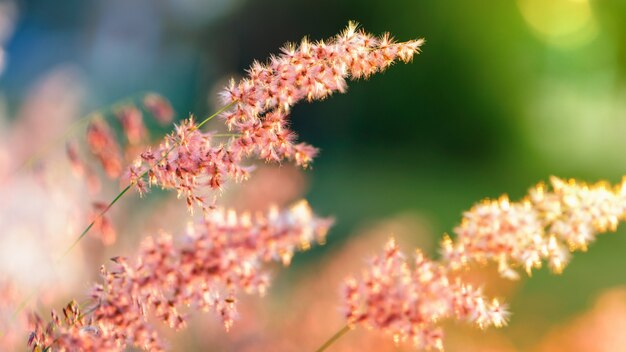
(560, 23)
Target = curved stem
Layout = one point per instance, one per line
(93, 222)
(334, 338)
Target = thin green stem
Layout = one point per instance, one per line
(334, 338)
(227, 135)
(224, 108)
(93, 222)
(105, 210)
(84, 314)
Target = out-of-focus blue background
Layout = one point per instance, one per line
(505, 94)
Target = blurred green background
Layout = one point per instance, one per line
(505, 94)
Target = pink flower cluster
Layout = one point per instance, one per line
(191, 163)
(223, 254)
(409, 303)
(218, 257)
(546, 225)
(311, 71)
(72, 333)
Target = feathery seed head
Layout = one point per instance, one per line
(546, 225)
(409, 303)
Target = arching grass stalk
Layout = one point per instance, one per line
(334, 338)
(122, 192)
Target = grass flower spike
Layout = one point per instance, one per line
(257, 110)
(219, 257)
(311, 71)
(409, 303)
(545, 226)
(190, 162)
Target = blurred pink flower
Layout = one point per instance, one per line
(81, 169)
(104, 146)
(103, 225)
(219, 257)
(131, 120)
(159, 107)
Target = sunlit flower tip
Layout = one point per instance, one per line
(410, 48)
(621, 188)
(304, 154)
(546, 225)
(307, 71)
(498, 313)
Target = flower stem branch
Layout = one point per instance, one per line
(93, 222)
(224, 108)
(334, 338)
